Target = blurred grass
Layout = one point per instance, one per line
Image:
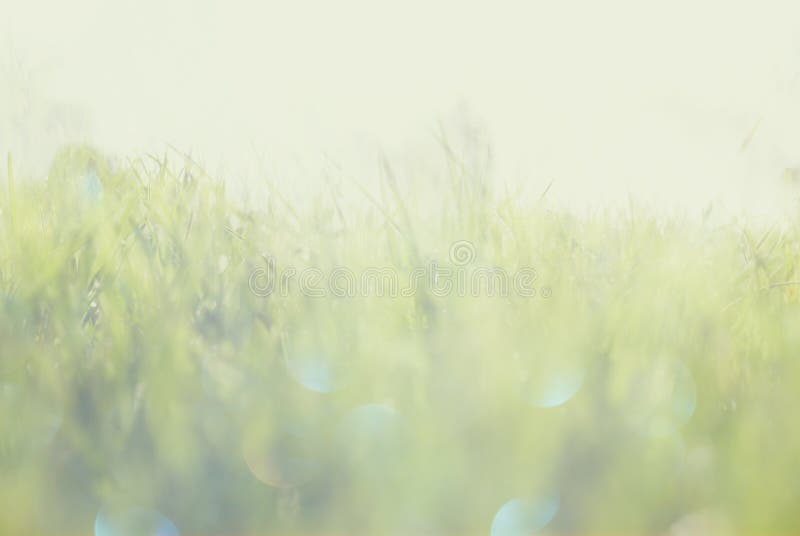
(138, 369)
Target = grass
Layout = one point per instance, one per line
(657, 386)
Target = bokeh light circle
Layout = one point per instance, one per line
(524, 516)
(551, 381)
(133, 522)
(316, 372)
(283, 459)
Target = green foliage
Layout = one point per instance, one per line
(138, 367)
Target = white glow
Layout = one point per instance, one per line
(607, 98)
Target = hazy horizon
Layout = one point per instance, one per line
(680, 106)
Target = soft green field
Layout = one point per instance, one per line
(649, 386)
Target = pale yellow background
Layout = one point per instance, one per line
(609, 99)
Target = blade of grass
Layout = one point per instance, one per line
(11, 209)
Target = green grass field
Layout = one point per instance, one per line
(647, 384)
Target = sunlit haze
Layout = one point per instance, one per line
(605, 99)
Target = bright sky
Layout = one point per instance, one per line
(607, 98)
